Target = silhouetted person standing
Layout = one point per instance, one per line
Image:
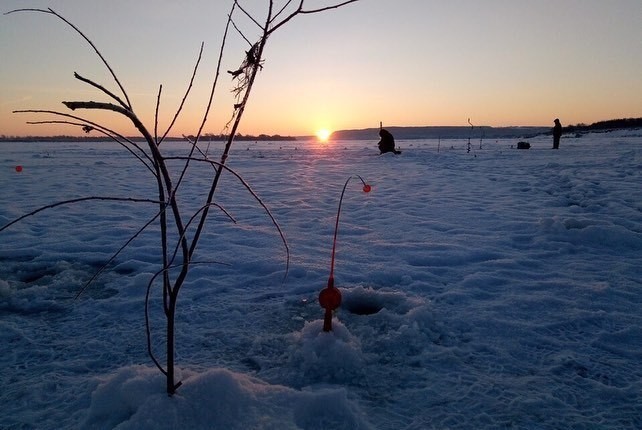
(557, 133)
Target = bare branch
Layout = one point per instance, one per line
(323, 9)
(80, 199)
(204, 154)
(158, 99)
(157, 163)
(193, 217)
(285, 6)
(300, 10)
(148, 332)
(256, 197)
(158, 160)
(216, 75)
(189, 88)
(111, 71)
(211, 97)
(251, 72)
(101, 88)
(102, 106)
(248, 15)
(113, 257)
(95, 125)
(106, 132)
(238, 30)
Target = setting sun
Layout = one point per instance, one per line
(323, 134)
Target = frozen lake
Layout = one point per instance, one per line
(491, 289)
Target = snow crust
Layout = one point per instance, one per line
(497, 289)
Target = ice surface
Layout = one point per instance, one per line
(499, 288)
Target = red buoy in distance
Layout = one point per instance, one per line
(18, 168)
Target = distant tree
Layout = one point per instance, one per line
(616, 123)
(179, 233)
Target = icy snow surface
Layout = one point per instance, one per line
(491, 289)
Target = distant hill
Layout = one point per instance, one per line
(487, 132)
(442, 132)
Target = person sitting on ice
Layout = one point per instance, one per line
(387, 142)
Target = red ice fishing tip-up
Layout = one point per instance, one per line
(330, 296)
(330, 300)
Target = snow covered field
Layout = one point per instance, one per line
(496, 289)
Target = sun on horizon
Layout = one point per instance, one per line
(323, 134)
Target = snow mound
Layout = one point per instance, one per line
(325, 357)
(133, 398)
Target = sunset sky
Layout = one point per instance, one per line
(403, 62)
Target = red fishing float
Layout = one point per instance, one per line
(18, 168)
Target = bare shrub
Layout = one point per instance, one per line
(180, 231)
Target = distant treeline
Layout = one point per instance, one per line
(247, 137)
(612, 124)
(204, 138)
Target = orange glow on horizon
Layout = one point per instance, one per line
(323, 134)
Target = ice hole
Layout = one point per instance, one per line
(363, 305)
